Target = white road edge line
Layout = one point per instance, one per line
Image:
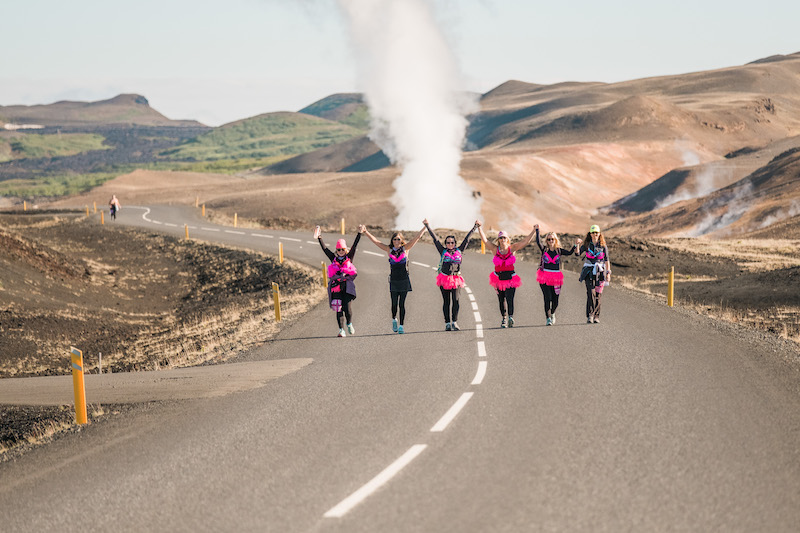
(477, 317)
(311, 242)
(479, 330)
(469, 291)
(480, 374)
(370, 253)
(420, 264)
(481, 349)
(262, 235)
(156, 222)
(170, 225)
(452, 412)
(235, 232)
(209, 229)
(375, 483)
(290, 239)
(471, 297)
(474, 306)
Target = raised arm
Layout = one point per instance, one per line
(436, 242)
(465, 242)
(489, 244)
(377, 243)
(517, 246)
(318, 235)
(414, 241)
(352, 253)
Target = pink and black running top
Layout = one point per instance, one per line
(398, 264)
(551, 259)
(450, 260)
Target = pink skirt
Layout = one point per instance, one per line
(550, 277)
(503, 284)
(451, 282)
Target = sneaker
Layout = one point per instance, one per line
(511, 321)
(448, 327)
(549, 322)
(400, 329)
(553, 319)
(455, 327)
(596, 320)
(351, 329)
(342, 333)
(394, 324)
(589, 320)
(503, 323)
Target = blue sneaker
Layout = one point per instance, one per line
(394, 324)
(400, 329)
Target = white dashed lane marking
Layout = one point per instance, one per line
(481, 349)
(377, 482)
(481, 373)
(235, 232)
(290, 239)
(209, 229)
(452, 412)
(420, 264)
(479, 331)
(373, 253)
(477, 316)
(262, 235)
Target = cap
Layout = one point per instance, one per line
(594, 228)
(341, 244)
(501, 234)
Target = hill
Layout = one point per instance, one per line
(347, 108)
(122, 109)
(271, 135)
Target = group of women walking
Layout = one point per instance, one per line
(595, 274)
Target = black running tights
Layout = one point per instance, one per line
(450, 301)
(399, 301)
(346, 314)
(506, 297)
(550, 299)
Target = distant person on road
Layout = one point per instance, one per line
(113, 206)
(504, 280)
(399, 280)
(549, 275)
(341, 275)
(448, 277)
(596, 271)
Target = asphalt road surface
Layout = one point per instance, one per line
(649, 421)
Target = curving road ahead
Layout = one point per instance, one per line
(650, 421)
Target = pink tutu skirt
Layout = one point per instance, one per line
(550, 277)
(449, 283)
(503, 284)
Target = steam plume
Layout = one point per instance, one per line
(411, 85)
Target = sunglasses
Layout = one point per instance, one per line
(594, 232)
(397, 239)
(550, 239)
(340, 249)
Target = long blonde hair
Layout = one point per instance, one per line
(555, 236)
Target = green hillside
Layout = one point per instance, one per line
(265, 136)
(53, 145)
(347, 108)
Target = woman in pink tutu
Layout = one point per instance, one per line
(341, 276)
(449, 278)
(503, 279)
(549, 275)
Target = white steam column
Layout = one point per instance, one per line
(412, 87)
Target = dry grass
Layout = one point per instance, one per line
(753, 255)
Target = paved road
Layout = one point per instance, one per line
(650, 421)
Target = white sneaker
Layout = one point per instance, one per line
(351, 329)
(342, 333)
(510, 321)
(503, 323)
(455, 327)
(553, 319)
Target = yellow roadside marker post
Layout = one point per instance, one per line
(78, 386)
(186, 228)
(342, 225)
(280, 252)
(197, 201)
(483, 247)
(24, 205)
(204, 209)
(102, 217)
(671, 287)
(324, 275)
(276, 299)
(95, 206)
(236, 220)
(87, 210)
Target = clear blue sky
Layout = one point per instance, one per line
(226, 60)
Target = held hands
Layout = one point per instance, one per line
(362, 228)
(578, 243)
(535, 227)
(317, 232)
(425, 222)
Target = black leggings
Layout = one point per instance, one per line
(450, 299)
(399, 301)
(550, 299)
(506, 296)
(347, 311)
(592, 297)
